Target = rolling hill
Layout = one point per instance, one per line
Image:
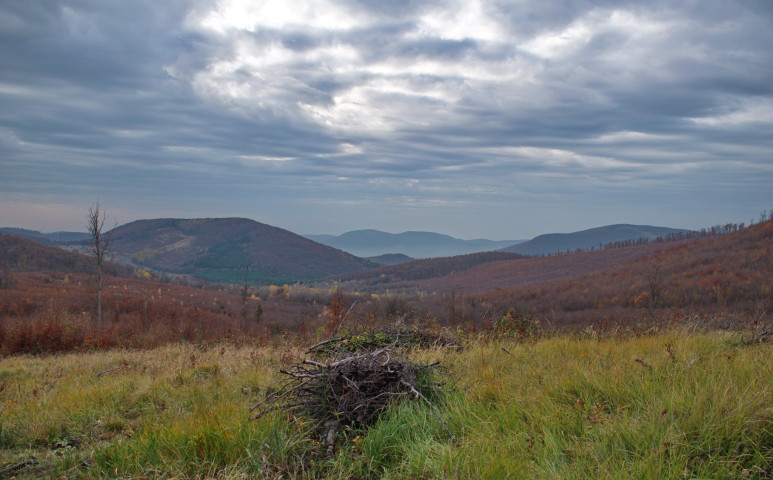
(372, 243)
(19, 253)
(52, 238)
(219, 249)
(488, 270)
(593, 238)
(707, 271)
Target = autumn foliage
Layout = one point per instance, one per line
(47, 299)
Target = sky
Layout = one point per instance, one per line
(501, 119)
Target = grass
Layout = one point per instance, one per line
(672, 406)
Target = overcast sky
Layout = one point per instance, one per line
(478, 119)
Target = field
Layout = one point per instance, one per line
(686, 404)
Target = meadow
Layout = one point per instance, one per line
(687, 403)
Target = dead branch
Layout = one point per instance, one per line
(644, 363)
(105, 372)
(323, 343)
(434, 408)
(18, 466)
(335, 331)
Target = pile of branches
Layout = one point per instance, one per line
(349, 390)
(395, 336)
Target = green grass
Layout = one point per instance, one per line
(671, 406)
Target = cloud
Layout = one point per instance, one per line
(430, 106)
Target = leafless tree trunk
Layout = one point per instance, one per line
(655, 286)
(100, 245)
(245, 294)
(6, 279)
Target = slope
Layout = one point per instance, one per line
(220, 249)
(589, 239)
(487, 270)
(53, 238)
(20, 254)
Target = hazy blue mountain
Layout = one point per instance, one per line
(321, 238)
(372, 243)
(52, 238)
(587, 239)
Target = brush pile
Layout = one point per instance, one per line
(349, 389)
(389, 336)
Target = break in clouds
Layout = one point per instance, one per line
(474, 118)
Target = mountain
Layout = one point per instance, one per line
(709, 261)
(219, 249)
(19, 253)
(372, 243)
(53, 238)
(391, 259)
(593, 238)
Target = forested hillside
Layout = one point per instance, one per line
(228, 250)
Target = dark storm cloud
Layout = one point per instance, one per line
(445, 108)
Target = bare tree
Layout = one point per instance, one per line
(655, 279)
(100, 245)
(245, 294)
(6, 278)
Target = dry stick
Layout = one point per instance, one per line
(312, 362)
(342, 320)
(274, 397)
(331, 428)
(644, 363)
(10, 468)
(357, 357)
(323, 343)
(670, 350)
(105, 372)
(434, 408)
(332, 338)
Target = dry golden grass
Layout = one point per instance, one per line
(674, 405)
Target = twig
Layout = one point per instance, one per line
(644, 363)
(17, 466)
(343, 319)
(506, 351)
(312, 362)
(329, 436)
(358, 357)
(105, 372)
(469, 386)
(434, 408)
(323, 343)
(274, 397)
(670, 350)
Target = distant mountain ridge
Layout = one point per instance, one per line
(219, 249)
(52, 238)
(25, 254)
(593, 238)
(373, 243)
